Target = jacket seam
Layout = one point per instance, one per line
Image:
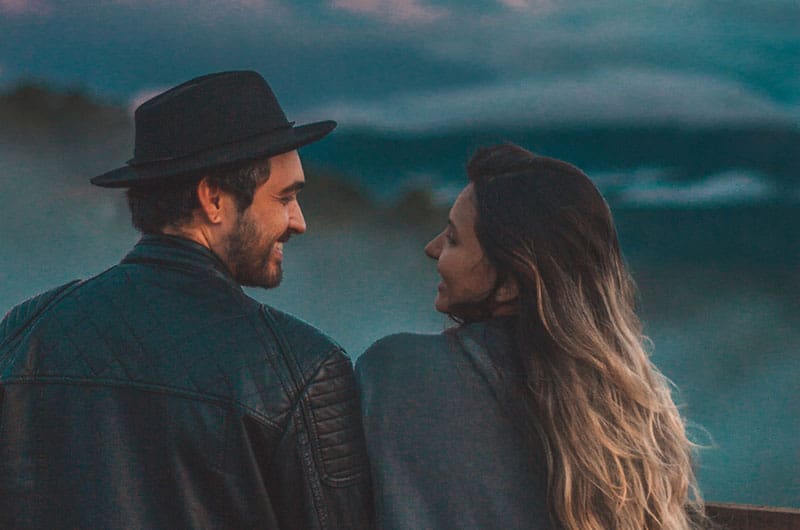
(303, 419)
(276, 353)
(314, 479)
(289, 360)
(210, 399)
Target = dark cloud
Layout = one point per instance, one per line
(351, 53)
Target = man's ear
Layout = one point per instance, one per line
(211, 203)
(508, 291)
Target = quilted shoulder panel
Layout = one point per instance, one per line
(306, 345)
(23, 314)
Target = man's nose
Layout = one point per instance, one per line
(297, 223)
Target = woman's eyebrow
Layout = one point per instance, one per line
(452, 226)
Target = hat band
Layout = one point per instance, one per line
(152, 161)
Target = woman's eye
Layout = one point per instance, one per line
(450, 239)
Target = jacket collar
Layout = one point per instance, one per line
(178, 252)
(495, 337)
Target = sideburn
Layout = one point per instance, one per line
(247, 265)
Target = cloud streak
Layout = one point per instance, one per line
(730, 187)
(532, 5)
(607, 97)
(25, 7)
(542, 60)
(395, 11)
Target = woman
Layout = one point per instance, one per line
(541, 409)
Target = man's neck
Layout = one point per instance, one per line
(192, 234)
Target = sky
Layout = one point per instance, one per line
(422, 64)
(726, 332)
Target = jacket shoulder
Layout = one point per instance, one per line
(23, 314)
(307, 345)
(401, 350)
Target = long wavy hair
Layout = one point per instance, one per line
(602, 414)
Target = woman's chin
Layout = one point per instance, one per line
(440, 305)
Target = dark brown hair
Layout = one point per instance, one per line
(616, 450)
(157, 205)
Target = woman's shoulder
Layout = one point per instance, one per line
(396, 340)
(409, 349)
(409, 371)
(402, 348)
(406, 357)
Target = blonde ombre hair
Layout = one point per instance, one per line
(594, 405)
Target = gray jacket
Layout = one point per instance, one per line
(445, 449)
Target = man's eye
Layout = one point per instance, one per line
(286, 200)
(450, 239)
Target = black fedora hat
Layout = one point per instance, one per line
(210, 121)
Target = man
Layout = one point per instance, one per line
(157, 394)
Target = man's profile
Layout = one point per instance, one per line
(157, 394)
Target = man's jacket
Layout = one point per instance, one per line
(158, 395)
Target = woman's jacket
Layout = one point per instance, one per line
(445, 448)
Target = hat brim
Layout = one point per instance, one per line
(260, 146)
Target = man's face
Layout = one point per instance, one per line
(254, 245)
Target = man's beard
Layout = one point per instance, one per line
(248, 261)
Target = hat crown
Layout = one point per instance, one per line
(209, 122)
(205, 113)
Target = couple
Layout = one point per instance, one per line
(158, 395)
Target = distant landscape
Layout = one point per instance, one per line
(708, 219)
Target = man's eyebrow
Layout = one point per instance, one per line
(293, 188)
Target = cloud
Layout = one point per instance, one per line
(396, 11)
(142, 96)
(532, 5)
(376, 48)
(729, 187)
(260, 6)
(25, 7)
(612, 96)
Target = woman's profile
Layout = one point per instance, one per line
(541, 408)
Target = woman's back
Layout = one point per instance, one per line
(443, 449)
(529, 243)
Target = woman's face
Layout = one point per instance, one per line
(467, 276)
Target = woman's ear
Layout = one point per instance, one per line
(508, 291)
(211, 203)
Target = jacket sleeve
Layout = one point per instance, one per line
(323, 446)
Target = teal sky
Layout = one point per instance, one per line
(417, 64)
(707, 210)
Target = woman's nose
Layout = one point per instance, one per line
(434, 247)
